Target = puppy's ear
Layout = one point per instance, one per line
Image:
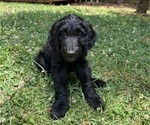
(91, 35)
(53, 36)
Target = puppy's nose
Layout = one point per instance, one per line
(72, 49)
(71, 52)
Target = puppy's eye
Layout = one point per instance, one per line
(80, 33)
(62, 33)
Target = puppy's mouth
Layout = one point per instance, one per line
(70, 59)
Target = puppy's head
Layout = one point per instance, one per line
(71, 36)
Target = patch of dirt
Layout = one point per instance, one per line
(103, 4)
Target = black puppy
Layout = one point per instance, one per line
(65, 51)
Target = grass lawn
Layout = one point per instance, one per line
(121, 57)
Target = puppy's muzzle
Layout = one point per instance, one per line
(71, 49)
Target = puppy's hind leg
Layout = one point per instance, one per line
(42, 62)
(98, 83)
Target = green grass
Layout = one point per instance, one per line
(121, 57)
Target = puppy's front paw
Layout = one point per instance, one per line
(96, 102)
(58, 110)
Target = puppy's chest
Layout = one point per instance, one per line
(72, 67)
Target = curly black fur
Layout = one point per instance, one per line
(65, 51)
